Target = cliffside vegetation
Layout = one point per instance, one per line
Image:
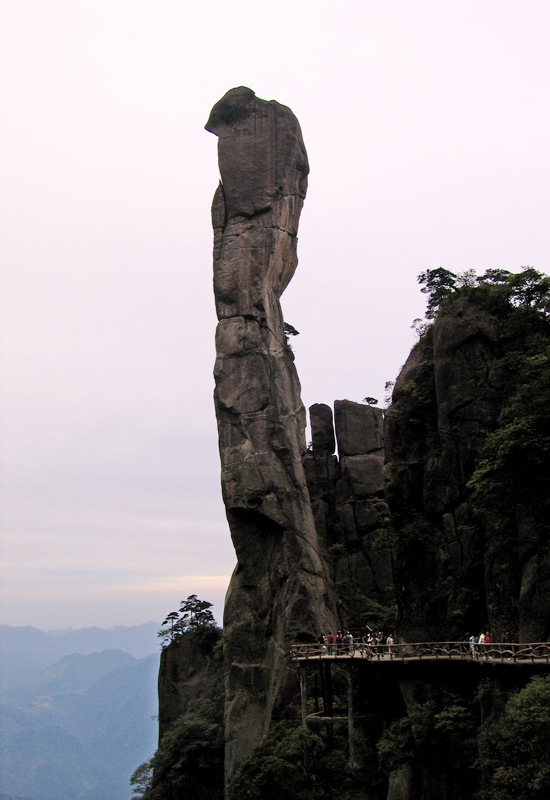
(298, 764)
(514, 747)
(468, 445)
(189, 759)
(193, 615)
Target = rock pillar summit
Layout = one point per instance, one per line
(279, 592)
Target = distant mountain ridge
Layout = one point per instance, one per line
(79, 727)
(27, 651)
(75, 673)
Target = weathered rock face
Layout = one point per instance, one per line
(188, 669)
(446, 397)
(348, 497)
(454, 572)
(359, 428)
(322, 430)
(279, 590)
(190, 688)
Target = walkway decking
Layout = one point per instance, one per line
(354, 661)
(505, 653)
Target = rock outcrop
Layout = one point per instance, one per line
(348, 498)
(459, 567)
(279, 591)
(188, 669)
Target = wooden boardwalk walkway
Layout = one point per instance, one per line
(359, 654)
(505, 653)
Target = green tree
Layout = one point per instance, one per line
(171, 620)
(296, 764)
(515, 459)
(438, 284)
(141, 780)
(466, 279)
(514, 747)
(420, 327)
(495, 276)
(189, 760)
(193, 615)
(530, 289)
(396, 745)
(290, 330)
(388, 388)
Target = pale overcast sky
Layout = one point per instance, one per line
(427, 128)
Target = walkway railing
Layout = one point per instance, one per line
(506, 652)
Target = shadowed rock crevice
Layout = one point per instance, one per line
(348, 500)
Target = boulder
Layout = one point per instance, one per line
(359, 428)
(322, 429)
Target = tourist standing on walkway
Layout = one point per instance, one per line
(370, 644)
(348, 643)
(481, 641)
(389, 643)
(329, 643)
(473, 641)
(338, 643)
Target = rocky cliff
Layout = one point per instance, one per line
(352, 517)
(189, 761)
(279, 591)
(189, 668)
(433, 515)
(471, 555)
(445, 502)
(468, 455)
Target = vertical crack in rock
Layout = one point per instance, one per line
(279, 592)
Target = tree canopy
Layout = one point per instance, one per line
(515, 746)
(193, 615)
(528, 289)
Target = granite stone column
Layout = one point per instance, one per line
(279, 592)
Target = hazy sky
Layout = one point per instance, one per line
(427, 128)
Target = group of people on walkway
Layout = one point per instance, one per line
(374, 643)
(336, 645)
(343, 643)
(479, 645)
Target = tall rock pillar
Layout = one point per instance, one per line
(279, 591)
